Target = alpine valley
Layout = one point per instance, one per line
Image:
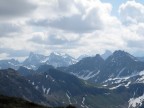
(111, 80)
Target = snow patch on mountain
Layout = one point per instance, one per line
(136, 102)
(33, 83)
(121, 71)
(128, 84)
(87, 74)
(68, 98)
(83, 100)
(46, 76)
(36, 87)
(55, 59)
(44, 89)
(127, 79)
(48, 90)
(116, 86)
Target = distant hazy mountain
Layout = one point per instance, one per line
(60, 60)
(106, 54)
(34, 60)
(54, 59)
(11, 63)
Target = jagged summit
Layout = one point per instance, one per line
(98, 56)
(121, 55)
(55, 59)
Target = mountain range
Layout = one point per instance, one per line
(114, 81)
(33, 61)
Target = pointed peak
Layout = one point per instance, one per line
(98, 56)
(123, 54)
(120, 53)
(106, 54)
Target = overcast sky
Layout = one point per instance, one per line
(72, 26)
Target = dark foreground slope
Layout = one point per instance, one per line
(55, 88)
(13, 102)
(15, 85)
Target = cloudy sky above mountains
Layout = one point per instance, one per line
(72, 26)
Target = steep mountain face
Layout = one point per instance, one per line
(65, 89)
(60, 89)
(25, 71)
(120, 68)
(13, 84)
(4, 64)
(87, 68)
(117, 82)
(120, 64)
(44, 68)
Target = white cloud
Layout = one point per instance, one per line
(81, 16)
(132, 12)
(132, 16)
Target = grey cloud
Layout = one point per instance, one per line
(76, 23)
(15, 8)
(51, 40)
(6, 29)
(14, 53)
(38, 39)
(135, 44)
(58, 41)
